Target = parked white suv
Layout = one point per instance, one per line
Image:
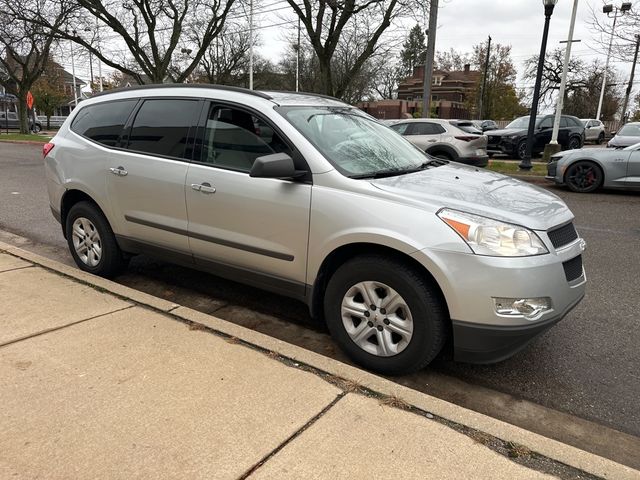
(593, 130)
(441, 139)
(309, 197)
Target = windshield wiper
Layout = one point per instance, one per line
(336, 111)
(392, 172)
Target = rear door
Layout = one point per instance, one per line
(145, 179)
(255, 229)
(425, 134)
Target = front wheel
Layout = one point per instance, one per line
(521, 150)
(385, 315)
(583, 177)
(36, 128)
(91, 241)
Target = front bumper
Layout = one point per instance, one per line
(476, 161)
(502, 146)
(470, 283)
(475, 343)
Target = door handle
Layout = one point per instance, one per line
(204, 187)
(120, 171)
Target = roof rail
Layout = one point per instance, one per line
(185, 85)
(310, 94)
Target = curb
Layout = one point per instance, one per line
(553, 449)
(23, 142)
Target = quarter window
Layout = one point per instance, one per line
(103, 122)
(161, 127)
(234, 138)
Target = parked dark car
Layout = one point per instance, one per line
(485, 125)
(11, 121)
(513, 139)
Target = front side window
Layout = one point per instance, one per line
(353, 142)
(103, 122)
(161, 127)
(234, 138)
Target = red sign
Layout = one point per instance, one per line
(29, 100)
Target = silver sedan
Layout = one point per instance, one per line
(588, 169)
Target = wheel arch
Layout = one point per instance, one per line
(446, 149)
(343, 253)
(69, 199)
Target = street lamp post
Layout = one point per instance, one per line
(617, 12)
(549, 5)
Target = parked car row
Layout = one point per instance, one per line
(11, 121)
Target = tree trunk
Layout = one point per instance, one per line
(48, 122)
(23, 112)
(325, 76)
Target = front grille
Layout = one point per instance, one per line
(552, 168)
(563, 235)
(573, 268)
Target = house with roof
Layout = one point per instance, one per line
(451, 95)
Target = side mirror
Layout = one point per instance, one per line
(276, 165)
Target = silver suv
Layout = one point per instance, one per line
(442, 139)
(311, 198)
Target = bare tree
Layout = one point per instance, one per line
(227, 57)
(326, 21)
(25, 48)
(161, 39)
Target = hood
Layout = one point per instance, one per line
(481, 192)
(506, 132)
(623, 141)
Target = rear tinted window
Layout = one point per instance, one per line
(161, 127)
(103, 122)
(426, 128)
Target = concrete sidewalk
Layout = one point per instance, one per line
(101, 381)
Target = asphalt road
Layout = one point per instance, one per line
(580, 382)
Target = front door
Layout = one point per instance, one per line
(255, 229)
(145, 181)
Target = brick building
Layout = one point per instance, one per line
(450, 95)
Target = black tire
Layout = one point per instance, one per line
(600, 139)
(583, 177)
(111, 262)
(36, 128)
(521, 150)
(426, 307)
(574, 143)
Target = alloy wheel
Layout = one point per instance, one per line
(87, 242)
(377, 318)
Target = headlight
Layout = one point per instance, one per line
(486, 236)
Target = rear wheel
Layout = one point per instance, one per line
(574, 143)
(600, 138)
(385, 315)
(36, 128)
(583, 177)
(92, 242)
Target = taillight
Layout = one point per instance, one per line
(467, 138)
(46, 149)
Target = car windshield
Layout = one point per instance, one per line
(630, 131)
(356, 144)
(522, 122)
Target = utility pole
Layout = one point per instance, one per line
(251, 45)
(563, 81)
(630, 86)
(298, 59)
(484, 81)
(431, 50)
(73, 74)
